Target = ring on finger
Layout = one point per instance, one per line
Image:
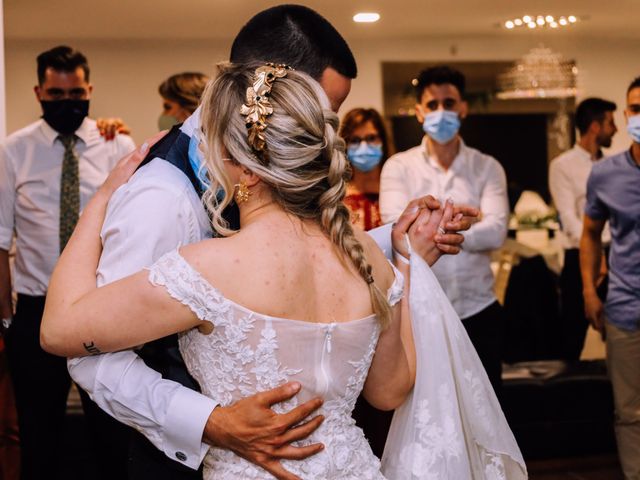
(441, 230)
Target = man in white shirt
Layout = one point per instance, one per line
(156, 211)
(445, 167)
(48, 171)
(568, 175)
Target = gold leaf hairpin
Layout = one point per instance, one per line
(258, 107)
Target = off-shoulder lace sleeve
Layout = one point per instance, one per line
(188, 287)
(396, 290)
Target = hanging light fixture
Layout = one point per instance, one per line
(541, 73)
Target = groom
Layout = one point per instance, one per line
(159, 209)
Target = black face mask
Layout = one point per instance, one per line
(64, 116)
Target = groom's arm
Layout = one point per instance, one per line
(145, 219)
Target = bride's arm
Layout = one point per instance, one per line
(393, 370)
(81, 319)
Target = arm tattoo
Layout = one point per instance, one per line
(91, 348)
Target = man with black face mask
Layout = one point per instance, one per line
(48, 172)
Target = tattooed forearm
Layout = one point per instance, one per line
(91, 348)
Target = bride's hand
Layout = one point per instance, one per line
(127, 166)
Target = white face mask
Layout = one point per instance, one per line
(633, 127)
(441, 125)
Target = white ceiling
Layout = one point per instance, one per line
(194, 19)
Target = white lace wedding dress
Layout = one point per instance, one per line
(249, 352)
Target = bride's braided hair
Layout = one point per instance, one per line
(306, 170)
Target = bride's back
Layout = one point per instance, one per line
(286, 268)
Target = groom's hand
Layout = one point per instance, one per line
(252, 430)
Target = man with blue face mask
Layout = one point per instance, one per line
(443, 166)
(613, 195)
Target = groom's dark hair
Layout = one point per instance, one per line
(297, 36)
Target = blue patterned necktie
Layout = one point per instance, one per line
(69, 190)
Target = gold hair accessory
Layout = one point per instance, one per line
(258, 107)
(242, 193)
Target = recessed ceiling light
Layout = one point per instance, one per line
(517, 22)
(549, 18)
(509, 24)
(572, 19)
(526, 19)
(366, 17)
(532, 25)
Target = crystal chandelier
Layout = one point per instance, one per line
(541, 73)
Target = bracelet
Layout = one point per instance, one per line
(401, 258)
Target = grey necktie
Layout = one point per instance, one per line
(69, 190)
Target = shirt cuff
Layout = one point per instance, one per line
(186, 418)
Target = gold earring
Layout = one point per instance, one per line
(242, 193)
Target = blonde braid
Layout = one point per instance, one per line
(335, 218)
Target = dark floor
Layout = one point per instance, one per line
(597, 467)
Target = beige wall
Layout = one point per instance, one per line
(125, 74)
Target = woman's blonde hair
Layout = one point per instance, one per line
(307, 170)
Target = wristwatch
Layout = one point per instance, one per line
(6, 322)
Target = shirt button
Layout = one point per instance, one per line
(181, 456)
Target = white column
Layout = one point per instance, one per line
(3, 105)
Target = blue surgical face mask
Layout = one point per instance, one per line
(633, 127)
(196, 160)
(442, 125)
(365, 157)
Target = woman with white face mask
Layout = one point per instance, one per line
(368, 147)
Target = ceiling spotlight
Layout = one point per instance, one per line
(518, 22)
(364, 17)
(509, 24)
(549, 18)
(540, 21)
(553, 25)
(572, 19)
(526, 19)
(532, 25)
(563, 21)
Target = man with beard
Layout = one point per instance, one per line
(568, 175)
(48, 171)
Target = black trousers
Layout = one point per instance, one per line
(486, 330)
(574, 323)
(41, 385)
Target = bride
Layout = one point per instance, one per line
(295, 295)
